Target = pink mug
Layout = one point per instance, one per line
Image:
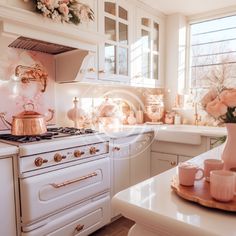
(187, 173)
(212, 164)
(222, 185)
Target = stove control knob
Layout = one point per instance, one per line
(78, 153)
(93, 150)
(58, 157)
(39, 161)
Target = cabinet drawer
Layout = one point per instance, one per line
(161, 162)
(81, 220)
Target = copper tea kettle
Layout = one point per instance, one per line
(28, 122)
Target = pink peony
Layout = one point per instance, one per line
(65, 1)
(228, 97)
(216, 108)
(48, 2)
(63, 9)
(209, 97)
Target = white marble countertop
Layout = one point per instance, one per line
(7, 150)
(127, 130)
(153, 204)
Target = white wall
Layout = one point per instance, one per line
(175, 57)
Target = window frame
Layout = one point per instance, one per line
(196, 20)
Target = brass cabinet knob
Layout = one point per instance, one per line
(91, 69)
(116, 149)
(58, 157)
(78, 153)
(39, 161)
(93, 150)
(79, 228)
(173, 163)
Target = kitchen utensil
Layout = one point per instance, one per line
(28, 122)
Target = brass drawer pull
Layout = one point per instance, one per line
(74, 180)
(91, 69)
(78, 228)
(173, 163)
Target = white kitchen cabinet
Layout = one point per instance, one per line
(161, 162)
(7, 200)
(183, 158)
(140, 160)
(121, 166)
(130, 162)
(145, 55)
(165, 155)
(114, 55)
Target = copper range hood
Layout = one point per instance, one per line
(39, 46)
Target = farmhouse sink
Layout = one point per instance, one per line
(177, 136)
(188, 134)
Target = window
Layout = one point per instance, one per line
(213, 52)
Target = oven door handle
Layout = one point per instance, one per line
(68, 182)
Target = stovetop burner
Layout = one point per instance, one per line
(51, 134)
(71, 130)
(26, 139)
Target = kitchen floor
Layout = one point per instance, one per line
(119, 227)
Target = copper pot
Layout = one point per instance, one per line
(28, 122)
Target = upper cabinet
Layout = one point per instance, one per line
(145, 53)
(114, 53)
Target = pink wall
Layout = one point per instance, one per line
(14, 94)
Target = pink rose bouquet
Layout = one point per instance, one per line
(70, 11)
(221, 105)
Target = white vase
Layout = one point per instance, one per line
(229, 152)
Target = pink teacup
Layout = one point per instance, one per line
(212, 164)
(222, 185)
(187, 173)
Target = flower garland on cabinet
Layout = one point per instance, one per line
(69, 11)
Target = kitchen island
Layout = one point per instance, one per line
(158, 211)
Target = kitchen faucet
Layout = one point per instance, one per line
(32, 73)
(197, 117)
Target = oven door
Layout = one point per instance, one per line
(47, 193)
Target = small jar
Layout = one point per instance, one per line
(169, 118)
(177, 120)
(131, 119)
(139, 116)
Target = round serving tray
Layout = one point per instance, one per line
(200, 193)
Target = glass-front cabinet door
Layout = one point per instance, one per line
(114, 54)
(145, 51)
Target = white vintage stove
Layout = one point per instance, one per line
(64, 182)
